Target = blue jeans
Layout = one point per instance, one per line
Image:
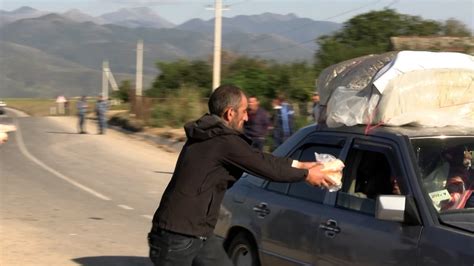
(82, 118)
(102, 121)
(172, 249)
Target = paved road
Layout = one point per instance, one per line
(71, 199)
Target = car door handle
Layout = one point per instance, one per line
(261, 209)
(330, 228)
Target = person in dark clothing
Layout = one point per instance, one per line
(213, 158)
(256, 127)
(315, 110)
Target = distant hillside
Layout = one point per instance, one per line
(88, 43)
(29, 72)
(20, 13)
(289, 26)
(136, 17)
(58, 53)
(78, 16)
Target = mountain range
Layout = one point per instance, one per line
(43, 54)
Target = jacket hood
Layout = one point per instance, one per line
(207, 127)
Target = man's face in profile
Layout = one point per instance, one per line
(240, 115)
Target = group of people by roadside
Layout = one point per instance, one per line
(101, 107)
(280, 121)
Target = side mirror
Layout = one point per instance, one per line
(397, 208)
(390, 208)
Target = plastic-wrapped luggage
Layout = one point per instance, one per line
(422, 88)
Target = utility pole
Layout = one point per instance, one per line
(105, 79)
(216, 72)
(139, 76)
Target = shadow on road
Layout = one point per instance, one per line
(113, 261)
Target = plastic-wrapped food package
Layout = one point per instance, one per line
(430, 97)
(332, 167)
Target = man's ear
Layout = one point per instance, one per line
(228, 114)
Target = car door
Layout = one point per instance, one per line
(289, 223)
(350, 233)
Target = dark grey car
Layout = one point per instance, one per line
(391, 209)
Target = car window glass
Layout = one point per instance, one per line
(308, 152)
(367, 175)
(302, 189)
(282, 187)
(447, 173)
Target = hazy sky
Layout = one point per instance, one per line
(178, 11)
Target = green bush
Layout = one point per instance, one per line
(180, 107)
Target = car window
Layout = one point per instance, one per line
(367, 175)
(302, 189)
(282, 187)
(446, 168)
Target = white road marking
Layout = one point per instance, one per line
(21, 145)
(125, 207)
(149, 217)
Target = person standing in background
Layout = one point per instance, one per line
(81, 106)
(256, 128)
(283, 124)
(101, 110)
(315, 109)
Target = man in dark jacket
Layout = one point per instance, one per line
(213, 158)
(256, 127)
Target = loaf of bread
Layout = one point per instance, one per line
(333, 169)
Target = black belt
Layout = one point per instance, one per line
(158, 230)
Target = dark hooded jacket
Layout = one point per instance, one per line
(213, 158)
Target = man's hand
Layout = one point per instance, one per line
(317, 178)
(3, 137)
(305, 165)
(7, 128)
(3, 132)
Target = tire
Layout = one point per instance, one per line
(242, 252)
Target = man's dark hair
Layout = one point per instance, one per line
(223, 97)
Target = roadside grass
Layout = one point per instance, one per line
(33, 107)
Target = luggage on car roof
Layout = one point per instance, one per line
(399, 88)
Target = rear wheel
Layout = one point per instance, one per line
(242, 251)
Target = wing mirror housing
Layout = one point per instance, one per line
(390, 208)
(397, 208)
